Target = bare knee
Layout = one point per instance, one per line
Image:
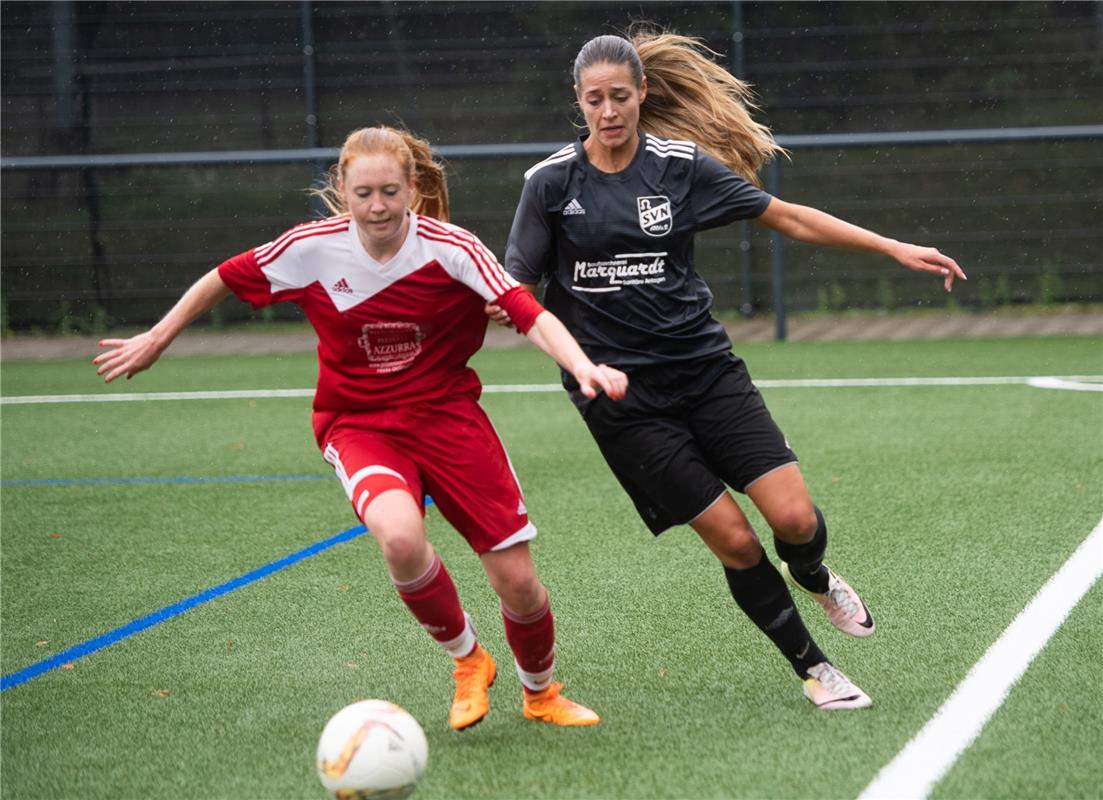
(795, 523)
(740, 548)
(404, 551)
(783, 499)
(728, 533)
(395, 523)
(522, 597)
(513, 576)
(734, 543)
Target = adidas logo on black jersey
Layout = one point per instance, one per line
(573, 207)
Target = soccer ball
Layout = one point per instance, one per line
(371, 749)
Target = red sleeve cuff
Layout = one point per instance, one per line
(521, 306)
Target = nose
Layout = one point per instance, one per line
(607, 110)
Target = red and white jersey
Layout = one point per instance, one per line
(387, 333)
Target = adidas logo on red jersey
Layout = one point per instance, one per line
(341, 287)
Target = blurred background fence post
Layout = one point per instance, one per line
(777, 257)
(737, 67)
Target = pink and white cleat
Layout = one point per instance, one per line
(844, 608)
(830, 690)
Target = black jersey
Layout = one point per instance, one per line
(617, 249)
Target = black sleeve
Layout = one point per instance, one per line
(721, 196)
(529, 249)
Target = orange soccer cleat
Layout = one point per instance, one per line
(474, 674)
(550, 706)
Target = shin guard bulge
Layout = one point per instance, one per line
(762, 594)
(434, 602)
(532, 639)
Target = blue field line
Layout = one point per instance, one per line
(153, 479)
(168, 612)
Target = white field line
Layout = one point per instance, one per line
(133, 397)
(1066, 381)
(924, 760)
(1069, 384)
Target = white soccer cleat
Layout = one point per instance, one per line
(843, 606)
(828, 689)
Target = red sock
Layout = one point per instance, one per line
(433, 601)
(532, 640)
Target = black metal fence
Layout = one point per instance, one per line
(90, 237)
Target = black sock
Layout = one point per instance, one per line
(806, 560)
(764, 597)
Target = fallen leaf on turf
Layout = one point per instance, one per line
(68, 665)
(41, 642)
(161, 694)
(55, 535)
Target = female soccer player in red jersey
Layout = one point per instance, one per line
(396, 295)
(608, 223)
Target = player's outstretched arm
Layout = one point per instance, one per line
(548, 333)
(810, 225)
(131, 356)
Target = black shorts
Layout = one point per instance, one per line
(682, 432)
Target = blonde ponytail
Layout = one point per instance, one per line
(690, 96)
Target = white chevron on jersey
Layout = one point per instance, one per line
(563, 154)
(266, 252)
(659, 141)
(329, 252)
(464, 257)
(664, 148)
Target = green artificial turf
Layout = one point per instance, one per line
(948, 506)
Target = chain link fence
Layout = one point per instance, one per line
(88, 246)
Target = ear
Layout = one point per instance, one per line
(577, 95)
(643, 88)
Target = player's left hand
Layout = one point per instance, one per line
(929, 259)
(593, 379)
(498, 314)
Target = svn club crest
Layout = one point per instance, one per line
(656, 217)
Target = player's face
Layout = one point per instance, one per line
(377, 194)
(610, 102)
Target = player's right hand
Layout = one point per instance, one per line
(127, 356)
(602, 378)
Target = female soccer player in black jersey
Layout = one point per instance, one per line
(608, 223)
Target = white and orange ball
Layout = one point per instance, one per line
(372, 748)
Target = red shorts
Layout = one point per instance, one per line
(446, 448)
